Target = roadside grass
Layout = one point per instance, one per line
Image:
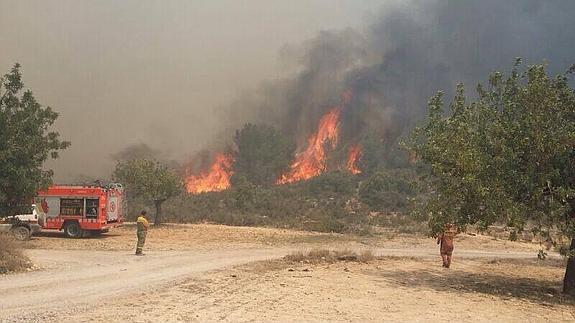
(316, 256)
(11, 257)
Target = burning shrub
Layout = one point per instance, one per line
(312, 161)
(11, 257)
(214, 179)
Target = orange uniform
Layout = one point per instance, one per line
(445, 241)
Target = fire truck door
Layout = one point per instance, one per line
(112, 208)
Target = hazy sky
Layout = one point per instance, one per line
(125, 72)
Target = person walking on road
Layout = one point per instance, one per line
(445, 242)
(143, 225)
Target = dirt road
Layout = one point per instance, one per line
(73, 277)
(206, 272)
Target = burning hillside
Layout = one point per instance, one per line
(392, 69)
(309, 163)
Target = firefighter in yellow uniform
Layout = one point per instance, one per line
(143, 225)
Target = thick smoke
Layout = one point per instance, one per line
(131, 72)
(404, 57)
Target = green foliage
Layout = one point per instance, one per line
(26, 142)
(245, 193)
(337, 182)
(148, 180)
(386, 191)
(262, 154)
(507, 156)
(327, 203)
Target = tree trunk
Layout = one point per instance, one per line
(158, 218)
(569, 280)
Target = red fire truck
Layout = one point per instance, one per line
(78, 210)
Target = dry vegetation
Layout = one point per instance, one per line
(316, 256)
(11, 257)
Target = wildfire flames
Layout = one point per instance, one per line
(307, 164)
(353, 158)
(217, 178)
(311, 162)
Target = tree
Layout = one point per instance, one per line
(244, 193)
(26, 142)
(507, 156)
(150, 180)
(262, 154)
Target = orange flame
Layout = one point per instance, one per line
(353, 158)
(215, 180)
(311, 162)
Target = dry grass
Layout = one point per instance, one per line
(330, 256)
(11, 256)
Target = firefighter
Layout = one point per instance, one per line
(143, 225)
(445, 240)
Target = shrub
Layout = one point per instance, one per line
(327, 203)
(385, 191)
(330, 256)
(11, 256)
(332, 183)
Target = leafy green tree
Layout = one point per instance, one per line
(508, 156)
(150, 180)
(26, 142)
(263, 153)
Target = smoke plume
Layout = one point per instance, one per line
(162, 74)
(414, 49)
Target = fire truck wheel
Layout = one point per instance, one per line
(72, 229)
(21, 233)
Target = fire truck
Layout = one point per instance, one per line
(80, 210)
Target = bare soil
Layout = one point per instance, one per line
(386, 289)
(210, 272)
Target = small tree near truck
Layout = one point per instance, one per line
(149, 180)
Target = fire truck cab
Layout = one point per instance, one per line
(79, 210)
